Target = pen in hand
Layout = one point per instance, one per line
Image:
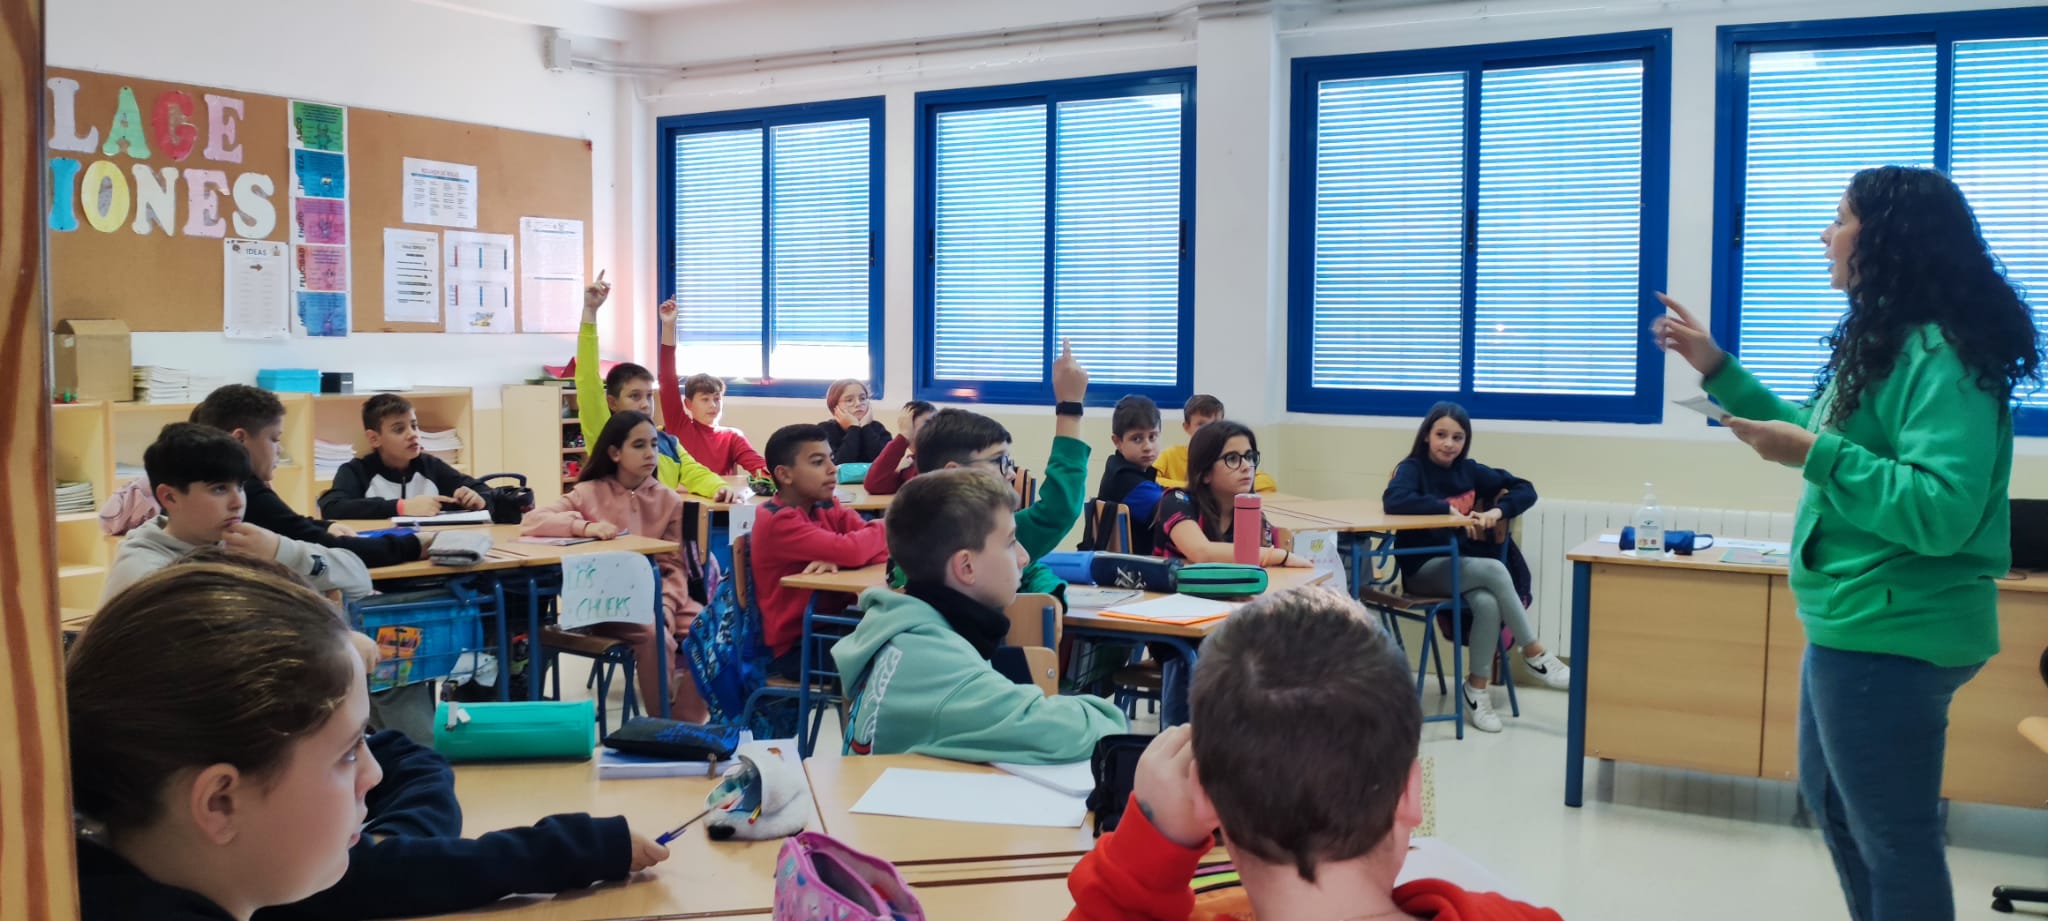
(677, 832)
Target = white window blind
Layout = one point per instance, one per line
(1116, 236)
(988, 231)
(1815, 117)
(1999, 156)
(772, 235)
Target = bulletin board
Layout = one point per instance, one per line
(163, 272)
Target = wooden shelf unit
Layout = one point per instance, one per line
(531, 411)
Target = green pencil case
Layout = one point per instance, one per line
(517, 729)
(1221, 580)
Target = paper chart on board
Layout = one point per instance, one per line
(443, 194)
(412, 276)
(550, 275)
(319, 226)
(477, 276)
(256, 291)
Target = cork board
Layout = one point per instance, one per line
(167, 277)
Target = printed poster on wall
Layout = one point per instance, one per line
(256, 299)
(476, 271)
(442, 194)
(412, 276)
(319, 223)
(551, 275)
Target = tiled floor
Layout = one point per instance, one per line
(1663, 844)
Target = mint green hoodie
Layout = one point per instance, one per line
(1905, 526)
(920, 688)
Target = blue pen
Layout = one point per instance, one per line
(677, 832)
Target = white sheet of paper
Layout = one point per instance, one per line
(476, 271)
(1431, 858)
(440, 193)
(257, 292)
(1095, 598)
(1076, 779)
(412, 276)
(987, 799)
(1704, 406)
(551, 275)
(1176, 607)
(479, 516)
(614, 586)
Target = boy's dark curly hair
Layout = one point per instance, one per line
(1920, 258)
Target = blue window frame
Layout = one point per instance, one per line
(1803, 106)
(1484, 224)
(1049, 211)
(771, 244)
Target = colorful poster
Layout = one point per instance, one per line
(257, 292)
(317, 126)
(551, 275)
(476, 271)
(412, 276)
(321, 261)
(439, 193)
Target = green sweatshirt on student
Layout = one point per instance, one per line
(1062, 491)
(1905, 526)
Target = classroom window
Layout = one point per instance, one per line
(1481, 224)
(1055, 211)
(1811, 104)
(771, 234)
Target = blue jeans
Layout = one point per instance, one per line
(1872, 730)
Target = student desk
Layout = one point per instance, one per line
(839, 781)
(1365, 517)
(1699, 669)
(700, 877)
(508, 555)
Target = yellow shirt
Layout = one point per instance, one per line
(1173, 471)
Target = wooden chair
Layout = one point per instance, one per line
(2035, 729)
(1035, 627)
(1027, 488)
(1106, 526)
(811, 699)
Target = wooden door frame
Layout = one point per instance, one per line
(38, 863)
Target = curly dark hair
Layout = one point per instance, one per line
(1920, 258)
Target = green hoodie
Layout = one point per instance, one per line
(1905, 525)
(920, 688)
(1043, 526)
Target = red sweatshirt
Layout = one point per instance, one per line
(1137, 874)
(786, 540)
(883, 477)
(724, 450)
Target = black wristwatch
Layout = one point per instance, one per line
(319, 566)
(1068, 408)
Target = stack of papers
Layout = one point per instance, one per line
(73, 497)
(444, 445)
(328, 457)
(202, 386)
(1183, 610)
(158, 384)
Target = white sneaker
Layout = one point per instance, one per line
(1479, 709)
(1553, 673)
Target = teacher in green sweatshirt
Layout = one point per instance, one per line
(1906, 449)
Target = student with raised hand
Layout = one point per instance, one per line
(229, 775)
(1303, 754)
(1439, 477)
(918, 666)
(254, 418)
(958, 438)
(690, 410)
(396, 477)
(898, 460)
(617, 494)
(1905, 525)
(197, 473)
(857, 437)
(631, 387)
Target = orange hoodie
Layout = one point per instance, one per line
(1137, 874)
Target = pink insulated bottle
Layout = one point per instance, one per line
(1247, 530)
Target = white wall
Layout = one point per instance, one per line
(477, 61)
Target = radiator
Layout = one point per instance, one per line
(1551, 529)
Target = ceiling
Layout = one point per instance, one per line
(656, 6)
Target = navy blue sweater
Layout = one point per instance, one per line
(112, 889)
(413, 860)
(1420, 487)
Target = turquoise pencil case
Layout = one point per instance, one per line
(520, 729)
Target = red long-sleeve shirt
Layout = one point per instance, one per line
(785, 540)
(1137, 874)
(884, 479)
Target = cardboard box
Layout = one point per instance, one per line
(92, 359)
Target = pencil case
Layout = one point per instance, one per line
(652, 735)
(853, 473)
(1124, 570)
(515, 729)
(1222, 580)
(1074, 567)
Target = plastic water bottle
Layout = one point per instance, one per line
(1649, 524)
(1247, 530)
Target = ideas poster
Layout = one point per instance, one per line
(319, 221)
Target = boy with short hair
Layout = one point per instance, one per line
(1128, 477)
(958, 438)
(254, 417)
(691, 409)
(631, 386)
(1324, 838)
(1200, 410)
(396, 477)
(918, 666)
(804, 529)
(196, 473)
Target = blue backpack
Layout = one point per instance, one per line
(729, 661)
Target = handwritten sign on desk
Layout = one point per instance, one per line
(608, 587)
